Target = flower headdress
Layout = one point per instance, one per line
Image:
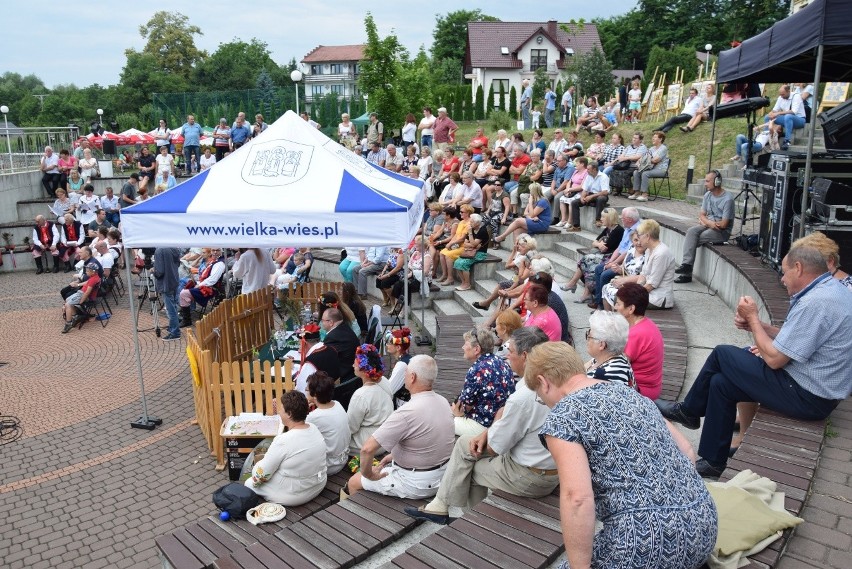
(399, 337)
(368, 360)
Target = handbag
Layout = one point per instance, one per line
(469, 252)
(644, 163)
(622, 165)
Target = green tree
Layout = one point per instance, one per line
(669, 60)
(234, 66)
(414, 89)
(502, 100)
(266, 92)
(540, 82)
(591, 73)
(171, 40)
(380, 74)
(16, 92)
(142, 75)
(479, 109)
(513, 100)
(489, 103)
(450, 35)
(559, 88)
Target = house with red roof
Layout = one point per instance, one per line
(332, 69)
(506, 53)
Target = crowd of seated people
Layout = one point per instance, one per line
(397, 419)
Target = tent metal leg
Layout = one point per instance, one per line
(145, 421)
(810, 151)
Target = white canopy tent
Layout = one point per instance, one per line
(290, 186)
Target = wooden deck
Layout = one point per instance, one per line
(198, 544)
(784, 450)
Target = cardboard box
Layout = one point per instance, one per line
(244, 432)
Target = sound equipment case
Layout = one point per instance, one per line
(783, 201)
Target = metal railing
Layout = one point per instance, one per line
(21, 148)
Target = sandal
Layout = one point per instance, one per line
(480, 307)
(567, 288)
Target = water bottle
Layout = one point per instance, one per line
(306, 314)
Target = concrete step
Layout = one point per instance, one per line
(448, 307)
(423, 321)
(17, 231)
(29, 209)
(23, 260)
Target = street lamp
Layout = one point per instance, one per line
(296, 76)
(366, 104)
(100, 117)
(708, 48)
(4, 109)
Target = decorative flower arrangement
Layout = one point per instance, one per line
(10, 247)
(10, 244)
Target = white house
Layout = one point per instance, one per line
(508, 52)
(332, 69)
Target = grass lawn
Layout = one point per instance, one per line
(681, 145)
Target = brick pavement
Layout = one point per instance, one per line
(81, 488)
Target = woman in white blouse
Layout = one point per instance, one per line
(293, 471)
(329, 417)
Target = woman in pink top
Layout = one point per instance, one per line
(67, 162)
(541, 315)
(645, 346)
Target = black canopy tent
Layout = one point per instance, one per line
(811, 45)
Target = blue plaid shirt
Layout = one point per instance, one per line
(817, 337)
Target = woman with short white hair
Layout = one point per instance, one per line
(606, 339)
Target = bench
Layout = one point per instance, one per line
(339, 536)
(197, 545)
(452, 367)
(786, 451)
(501, 531)
(783, 449)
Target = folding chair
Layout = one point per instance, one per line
(654, 190)
(394, 319)
(97, 308)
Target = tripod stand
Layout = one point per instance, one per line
(746, 191)
(146, 283)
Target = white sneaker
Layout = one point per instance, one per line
(266, 513)
(632, 197)
(641, 199)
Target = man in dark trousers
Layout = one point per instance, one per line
(166, 282)
(343, 339)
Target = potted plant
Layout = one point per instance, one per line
(10, 248)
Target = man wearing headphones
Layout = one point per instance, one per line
(715, 221)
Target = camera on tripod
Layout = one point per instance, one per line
(148, 261)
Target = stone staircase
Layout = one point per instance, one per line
(17, 215)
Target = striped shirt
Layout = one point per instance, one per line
(615, 369)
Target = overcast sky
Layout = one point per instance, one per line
(84, 42)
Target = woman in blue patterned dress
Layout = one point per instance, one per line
(487, 385)
(621, 462)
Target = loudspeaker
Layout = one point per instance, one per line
(837, 128)
(109, 147)
(840, 235)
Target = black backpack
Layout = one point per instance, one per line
(236, 499)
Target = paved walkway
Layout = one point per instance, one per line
(83, 489)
